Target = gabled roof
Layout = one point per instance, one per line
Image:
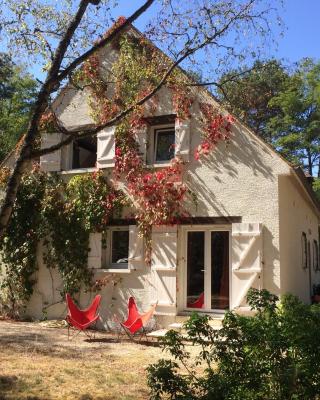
(297, 171)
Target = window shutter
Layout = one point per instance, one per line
(141, 138)
(94, 255)
(182, 131)
(106, 147)
(163, 269)
(136, 249)
(52, 161)
(246, 261)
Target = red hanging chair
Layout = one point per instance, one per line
(81, 320)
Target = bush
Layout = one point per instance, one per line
(273, 355)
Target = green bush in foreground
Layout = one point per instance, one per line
(273, 355)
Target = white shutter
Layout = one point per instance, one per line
(106, 147)
(163, 269)
(136, 249)
(182, 132)
(94, 255)
(246, 261)
(141, 138)
(52, 161)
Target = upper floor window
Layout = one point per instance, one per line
(84, 153)
(164, 141)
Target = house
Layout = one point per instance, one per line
(255, 224)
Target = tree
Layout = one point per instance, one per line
(17, 94)
(62, 34)
(296, 128)
(247, 93)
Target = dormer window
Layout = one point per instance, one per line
(164, 141)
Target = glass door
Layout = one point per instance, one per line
(195, 269)
(207, 283)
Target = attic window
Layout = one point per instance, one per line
(164, 140)
(84, 153)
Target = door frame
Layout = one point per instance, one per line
(207, 282)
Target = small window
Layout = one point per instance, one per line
(115, 251)
(119, 248)
(304, 251)
(164, 140)
(84, 153)
(309, 255)
(315, 256)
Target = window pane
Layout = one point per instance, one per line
(165, 145)
(120, 247)
(219, 270)
(195, 270)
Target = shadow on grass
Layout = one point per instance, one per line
(124, 340)
(11, 385)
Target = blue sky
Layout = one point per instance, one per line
(301, 33)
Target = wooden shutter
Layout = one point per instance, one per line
(141, 138)
(182, 132)
(94, 255)
(52, 161)
(163, 269)
(136, 249)
(246, 261)
(106, 147)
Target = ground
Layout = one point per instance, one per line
(38, 362)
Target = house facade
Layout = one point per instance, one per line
(255, 222)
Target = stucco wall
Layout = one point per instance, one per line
(296, 216)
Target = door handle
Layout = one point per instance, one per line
(202, 270)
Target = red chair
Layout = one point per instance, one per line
(81, 320)
(199, 303)
(135, 320)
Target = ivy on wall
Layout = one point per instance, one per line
(61, 216)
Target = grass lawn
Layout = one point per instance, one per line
(39, 363)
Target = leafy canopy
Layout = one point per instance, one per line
(17, 96)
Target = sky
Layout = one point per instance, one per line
(302, 33)
(301, 30)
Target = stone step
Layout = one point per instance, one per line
(178, 326)
(161, 333)
(158, 334)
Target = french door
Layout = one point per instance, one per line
(207, 269)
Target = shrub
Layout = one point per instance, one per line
(272, 355)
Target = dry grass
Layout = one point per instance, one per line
(39, 363)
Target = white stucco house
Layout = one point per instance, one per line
(256, 223)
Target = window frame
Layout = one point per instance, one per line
(107, 263)
(304, 250)
(315, 254)
(152, 143)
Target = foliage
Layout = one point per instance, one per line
(316, 187)
(62, 217)
(247, 94)
(296, 127)
(17, 95)
(19, 246)
(272, 355)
